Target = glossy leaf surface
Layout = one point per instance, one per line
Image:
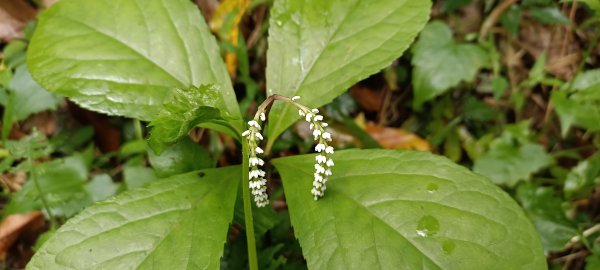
(187, 108)
(177, 223)
(317, 49)
(183, 156)
(29, 97)
(387, 209)
(441, 63)
(580, 106)
(126, 57)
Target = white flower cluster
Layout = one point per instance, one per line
(257, 181)
(323, 163)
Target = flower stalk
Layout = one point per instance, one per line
(323, 161)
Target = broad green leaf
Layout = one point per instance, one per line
(132, 148)
(509, 161)
(529, 3)
(452, 5)
(136, 176)
(177, 223)
(582, 180)
(549, 15)
(545, 211)
(511, 19)
(317, 49)
(406, 210)
(29, 97)
(441, 63)
(538, 71)
(581, 107)
(63, 185)
(126, 57)
(592, 262)
(187, 109)
(14, 53)
(593, 4)
(183, 156)
(33, 146)
(101, 187)
(264, 218)
(69, 140)
(587, 81)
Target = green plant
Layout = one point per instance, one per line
(156, 61)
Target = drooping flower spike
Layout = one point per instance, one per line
(257, 181)
(323, 161)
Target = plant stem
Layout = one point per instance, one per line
(138, 129)
(4, 153)
(45, 203)
(252, 258)
(265, 106)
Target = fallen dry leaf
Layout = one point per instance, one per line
(48, 3)
(228, 8)
(368, 99)
(395, 138)
(14, 14)
(13, 181)
(14, 226)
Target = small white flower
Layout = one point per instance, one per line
(301, 113)
(316, 133)
(315, 111)
(319, 168)
(318, 118)
(318, 177)
(263, 117)
(260, 162)
(312, 126)
(253, 123)
(324, 124)
(330, 163)
(246, 133)
(259, 150)
(320, 147)
(329, 150)
(321, 159)
(259, 136)
(308, 117)
(327, 136)
(296, 98)
(328, 172)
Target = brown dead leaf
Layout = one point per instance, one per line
(48, 3)
(395, 138)
(368, 99)
(208, 8)
(15, 226)
(561, 47)
(14, 14)
(13, 181)
(106, 135)
(44, 122)
(227, 8)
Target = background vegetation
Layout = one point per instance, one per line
(508, 88)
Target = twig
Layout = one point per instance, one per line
(586, 233)
(493, 18)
